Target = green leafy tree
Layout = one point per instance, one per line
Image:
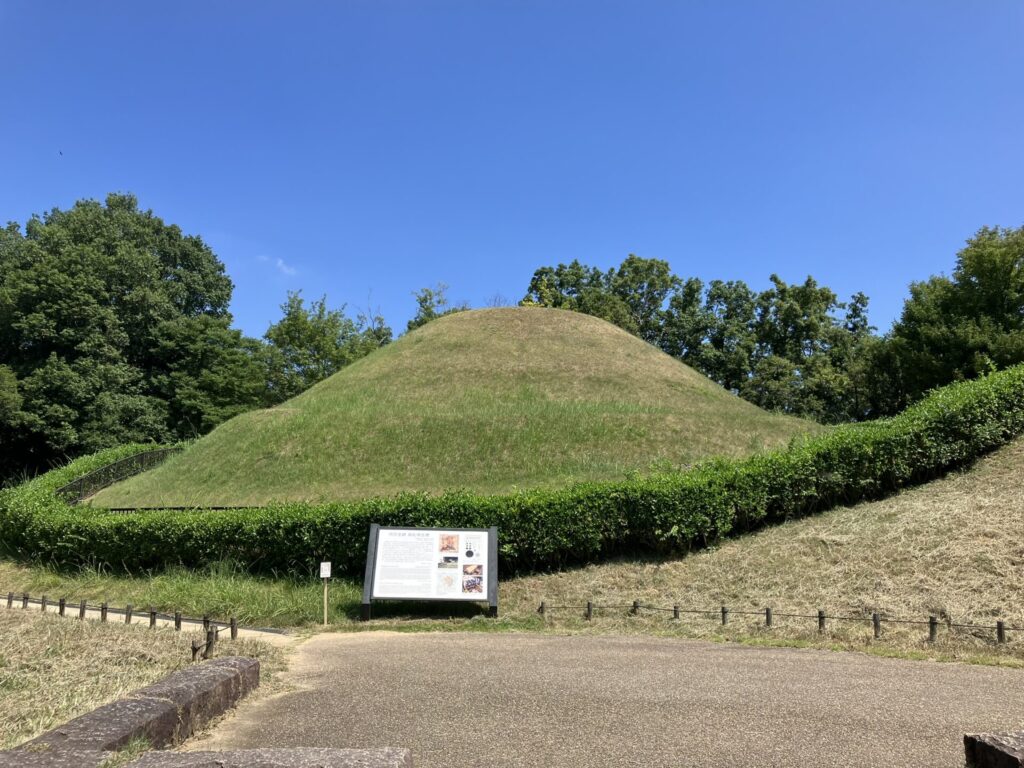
(432, 303)
(10, 420)
(308, 344)
(206, 372)
(644, 286)
(580, 288)
(713, 330)
(86, 299)
(959, 327)
(687, 325)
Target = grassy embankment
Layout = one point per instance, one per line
(489, 400)
(53, 669)
(953, 548)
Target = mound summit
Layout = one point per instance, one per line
(488, 400)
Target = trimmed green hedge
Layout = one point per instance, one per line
(543, 528)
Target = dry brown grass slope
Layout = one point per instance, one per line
(53, 669)
(488, 400)
(953, 548)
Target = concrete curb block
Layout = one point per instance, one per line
(165, 713)
(280, 758)
(994, 750)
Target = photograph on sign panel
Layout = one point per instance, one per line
(471, 584)
(449, 542)
(473, 570)
(447, 583)
(449, 561)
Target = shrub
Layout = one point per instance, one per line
(539, 529)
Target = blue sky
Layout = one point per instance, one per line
(367, 149)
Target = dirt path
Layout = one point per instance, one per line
(464, 700)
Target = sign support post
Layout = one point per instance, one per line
(325, 574)
(365, 612)
(492, 585)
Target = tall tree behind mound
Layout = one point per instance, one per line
(110, 323)
(962, 326)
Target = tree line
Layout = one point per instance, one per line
(797, 348)
(114, 328)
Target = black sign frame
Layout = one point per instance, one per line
(366, 611)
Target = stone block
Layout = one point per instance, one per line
(114, 725)
(387, 757)
(206, 691)
(994, 750)
(47, 758)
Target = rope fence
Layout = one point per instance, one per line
(822, 617)
(211, 628)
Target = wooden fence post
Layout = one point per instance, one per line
(61, 605)
(177, 621)
(152, 617)
(81, 611)
(636, 608)
(876, 621)
(128, 614)
(24, 601)
(821, 620)
(195, 649)
(234, 628)
(675, 612)
(42, 605)
(933, 628)
(725, 615)
(10, 599)
(767, 617)
(541, 609)
(211, 641)
(103, 611)
(1000, 632)
(590, 610)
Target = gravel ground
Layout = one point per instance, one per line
(460, 700)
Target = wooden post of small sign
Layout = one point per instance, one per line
(325, 574)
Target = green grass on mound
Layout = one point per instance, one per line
(490, 401)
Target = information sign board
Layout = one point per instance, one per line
(458, 564)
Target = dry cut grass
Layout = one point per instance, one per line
(53, 669)
(953, 549)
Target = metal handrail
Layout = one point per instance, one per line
(85, 486)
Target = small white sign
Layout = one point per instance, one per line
(325, 570)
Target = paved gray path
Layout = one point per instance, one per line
(464, 700)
